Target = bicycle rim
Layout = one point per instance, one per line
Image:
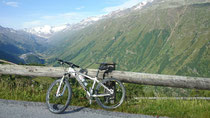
(114, 100)
(58, 104)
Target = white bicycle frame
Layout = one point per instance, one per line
(76, 74)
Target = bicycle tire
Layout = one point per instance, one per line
(51, 99)
(119, 93)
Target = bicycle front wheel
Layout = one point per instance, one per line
(58, 104)
(114, 100)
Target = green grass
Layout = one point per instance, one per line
(171, 108)
(34, 89)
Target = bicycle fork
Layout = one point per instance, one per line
(59, 87)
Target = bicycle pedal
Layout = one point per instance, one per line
(112, 101)
(90, 101)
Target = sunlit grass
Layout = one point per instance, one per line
(34, 89)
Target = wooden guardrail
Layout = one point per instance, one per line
(129, 77)
(4, 61)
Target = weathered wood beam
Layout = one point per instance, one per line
(31, 70)
(163, 80)
(4, 61)
(130, 77)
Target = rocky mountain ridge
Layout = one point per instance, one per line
(15, 43)
(47, 31)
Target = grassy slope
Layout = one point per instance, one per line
(168, 41)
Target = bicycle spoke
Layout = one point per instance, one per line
(57, 104)
(115, 99)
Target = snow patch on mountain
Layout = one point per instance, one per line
(46, 31)
(89, 21)
(140, 5)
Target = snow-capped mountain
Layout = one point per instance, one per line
(47, 31)
(90, 20)
(142, 4)
(82, 24)
(123, 11)
(14, 43)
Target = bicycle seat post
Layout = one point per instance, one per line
(97, 73)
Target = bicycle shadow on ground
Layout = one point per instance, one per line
(74, 110)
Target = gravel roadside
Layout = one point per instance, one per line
(23, 109)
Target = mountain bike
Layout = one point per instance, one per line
(109, 92)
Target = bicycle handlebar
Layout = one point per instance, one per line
(69, 63)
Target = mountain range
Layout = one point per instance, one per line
(15, 43)
(49, 31)
(46, 31)
(161, 36)
(154, 36)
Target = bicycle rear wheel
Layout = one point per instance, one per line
(58, 104)
(114, 100)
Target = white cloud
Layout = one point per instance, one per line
(32, 23)
(57, 19)
(79, 8)
(11, 4)
(68, 15)
(125, 5)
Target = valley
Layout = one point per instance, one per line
(165, 37)
(154, 36)
(14, 44)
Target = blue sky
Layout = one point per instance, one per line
(19, 14)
